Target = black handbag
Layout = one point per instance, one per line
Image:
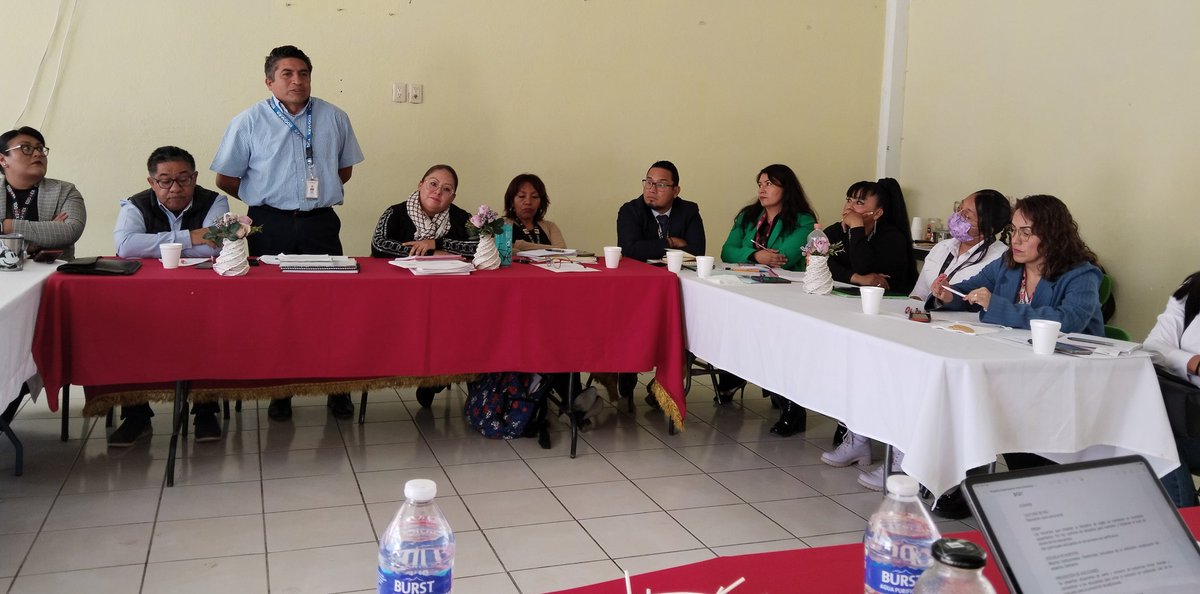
(1182, 400)
(101, 266)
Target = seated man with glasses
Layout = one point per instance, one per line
(49, 213)
(652, 223)
(659, 219)
(173, 210)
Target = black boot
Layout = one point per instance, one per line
(793, 418)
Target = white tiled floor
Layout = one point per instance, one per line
(297, 507)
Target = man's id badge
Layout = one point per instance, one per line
(310, 189)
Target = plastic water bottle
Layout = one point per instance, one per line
(416, 553)
(817, 241)
(899, 539)
(957, 569)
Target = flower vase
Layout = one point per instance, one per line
(487, 257)
(817, 279)
(232, 261)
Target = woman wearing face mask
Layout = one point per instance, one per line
(420, 225)
(973, 245)
(876, 238)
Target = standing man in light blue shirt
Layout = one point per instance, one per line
(288, 158)
(173, 210)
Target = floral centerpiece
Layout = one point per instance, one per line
(230, 233)
(486, 224)
(817, 278)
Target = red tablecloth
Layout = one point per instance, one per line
(187, 324)
(819, 570)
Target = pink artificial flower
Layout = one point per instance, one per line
(477, 221)
(821, 245)
(245, 220)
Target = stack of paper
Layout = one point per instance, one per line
(338, 264)
(432, 267)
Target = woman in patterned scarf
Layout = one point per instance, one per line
(420, 225)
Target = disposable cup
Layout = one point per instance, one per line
(674, 261)
(1045, 334)
(871, 298)
(170, 254)
(704, 266)
(612, 256)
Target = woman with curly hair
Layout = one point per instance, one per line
(1048, 274)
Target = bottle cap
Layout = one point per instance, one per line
(902, 485)
(420, 490)
(956, 552)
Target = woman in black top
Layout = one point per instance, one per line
(420, 225)
(876, 237)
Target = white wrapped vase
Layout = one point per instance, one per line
(232, 261)
(817, 279)
(487, 257)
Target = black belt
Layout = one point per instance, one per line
(300, 214)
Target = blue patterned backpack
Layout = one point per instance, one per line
(501, 405)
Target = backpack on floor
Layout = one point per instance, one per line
(502, 405)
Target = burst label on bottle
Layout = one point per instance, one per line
(400, 583)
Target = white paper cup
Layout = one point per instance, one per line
(704, 266)
(871, 298)
(170, 254)
(612, 256)
(918, 229)
(1045, 334)
(674, 260)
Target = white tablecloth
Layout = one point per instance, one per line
(950, 401)
(20, 293)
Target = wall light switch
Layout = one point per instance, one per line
(399, 92)
(416, 93)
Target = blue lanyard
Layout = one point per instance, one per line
(308, 150)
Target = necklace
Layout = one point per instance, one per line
(18, 209)
(532, 235)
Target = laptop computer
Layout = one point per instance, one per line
(1098, 526)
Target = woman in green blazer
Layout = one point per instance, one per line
(772, 231)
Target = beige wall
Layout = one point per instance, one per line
(586, 94)
(1095, 102)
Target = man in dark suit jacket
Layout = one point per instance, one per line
(652, 223)
(659, 219)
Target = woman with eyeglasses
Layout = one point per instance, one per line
(772, 231)
(49, 213)
(876, 239)
(421, 225)
(1174, 343)
(525, 206)
(973, 244)
(1049, 273)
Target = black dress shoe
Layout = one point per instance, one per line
(340, 405)
(725, 395)
(129, 433)
(425, 395)
(952, 505)
(208, 428)
(652, 402)
(280, 409)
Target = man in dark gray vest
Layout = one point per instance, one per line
(173, 210)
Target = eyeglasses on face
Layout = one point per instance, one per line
(29, 149)
(184, 181)
(662, 185)
(437, 186)
(1025, 233)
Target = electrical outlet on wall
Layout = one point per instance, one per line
(399, 92)
(416, 93)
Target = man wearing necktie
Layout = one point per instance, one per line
(652, 223)
(659, 219)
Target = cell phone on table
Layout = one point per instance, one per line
(770, 280)
(208, 264)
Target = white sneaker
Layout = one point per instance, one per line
(875, 480)
(854, 449)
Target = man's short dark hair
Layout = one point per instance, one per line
(669, 166)
(26, 130)
(167, 154)
(283, 52)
